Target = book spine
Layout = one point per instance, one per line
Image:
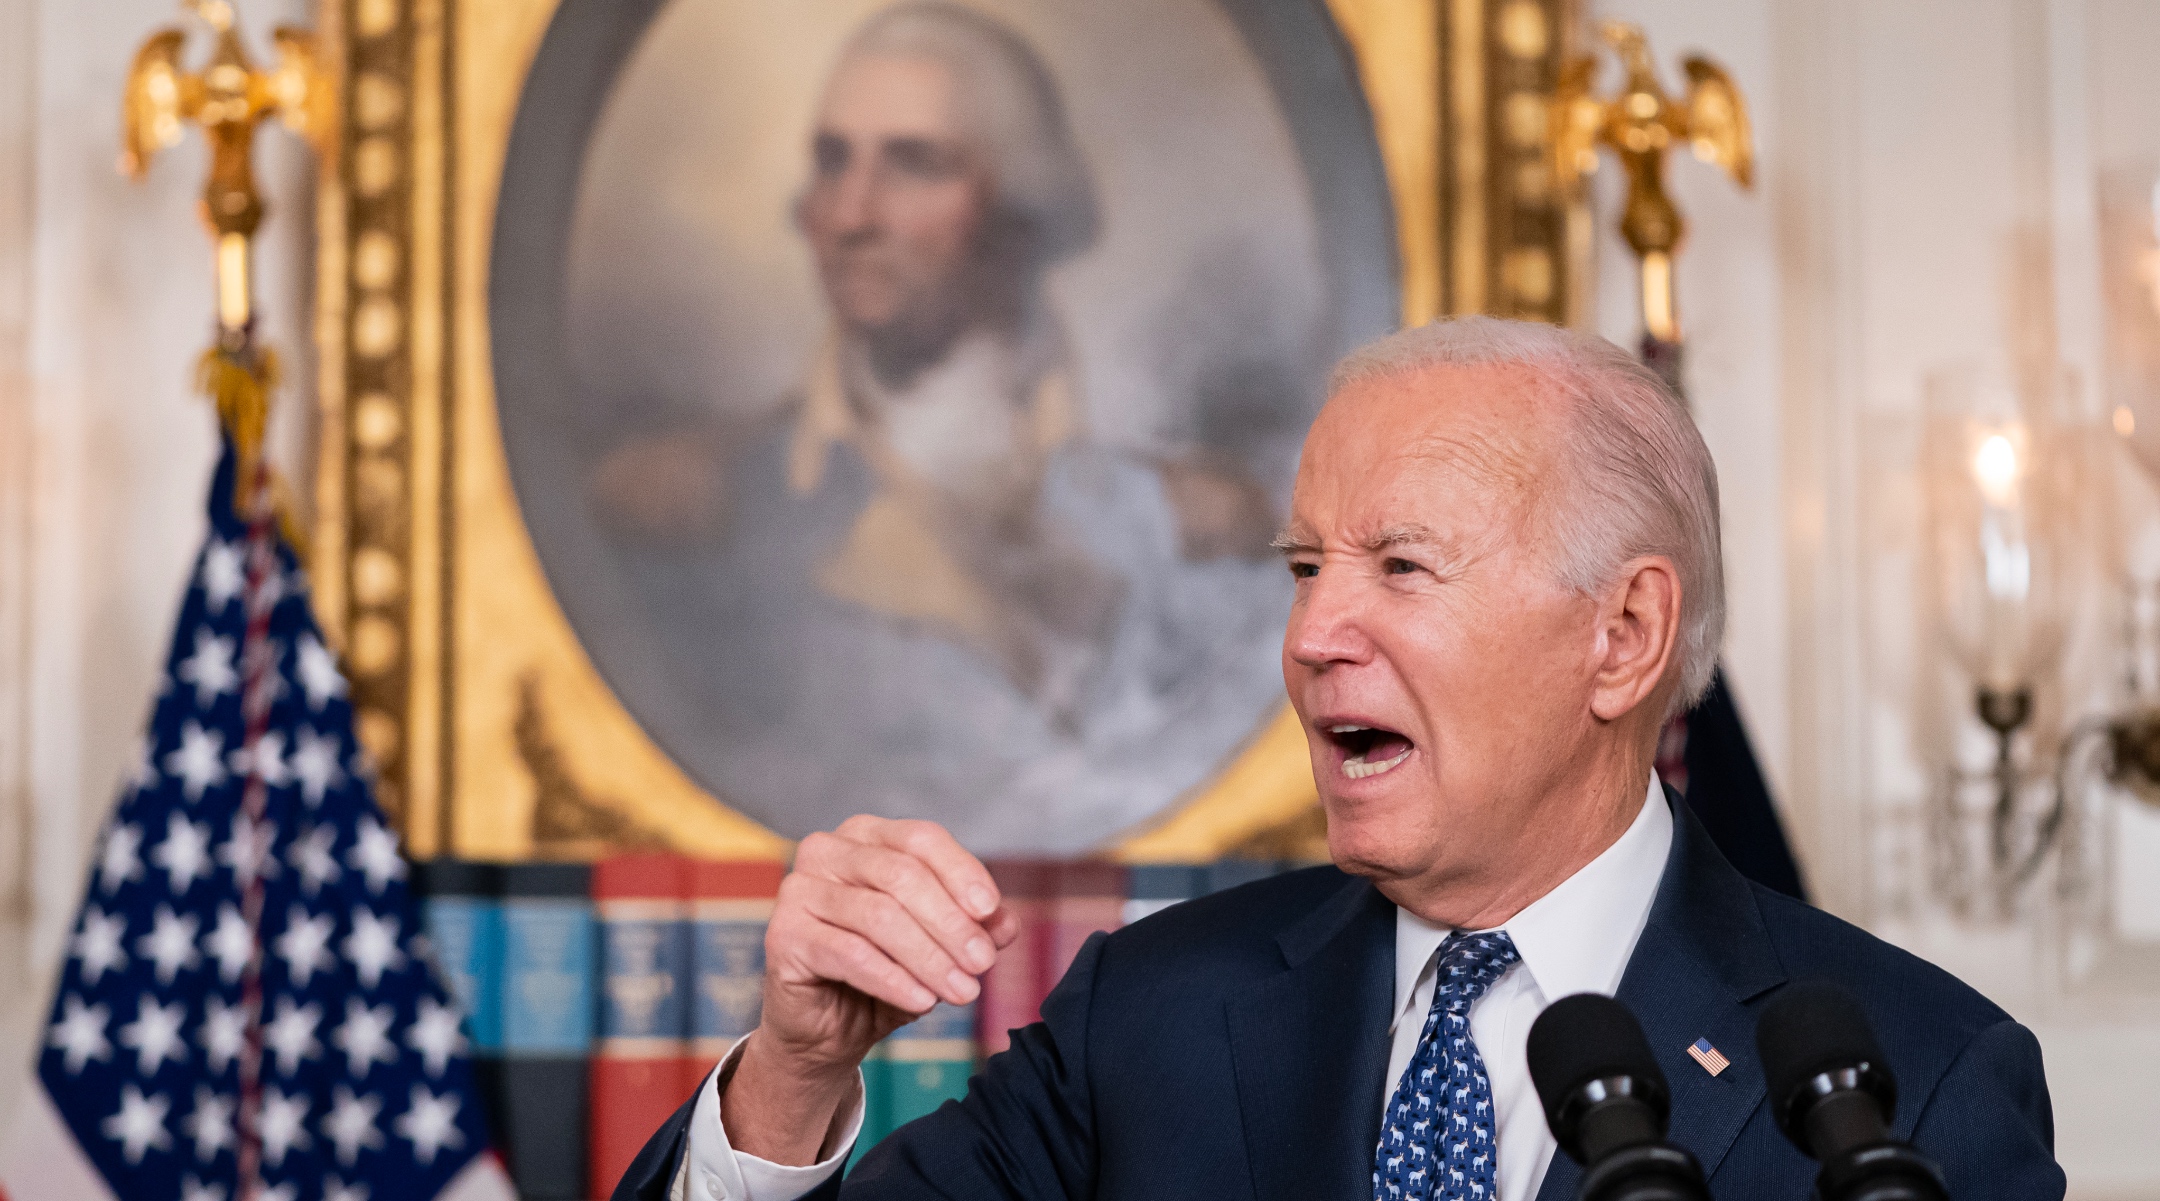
(461, 909)
(1011, 989)
(1087, 896)
(1230, 873)
(919, 1067)
(547, 1003)
(730, 903)
(641, 908)
(1153, 887)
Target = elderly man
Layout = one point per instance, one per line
(1505, 546)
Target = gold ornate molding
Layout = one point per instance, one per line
(425, 574)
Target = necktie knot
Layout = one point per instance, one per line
(1469, 963)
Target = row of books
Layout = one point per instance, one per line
(598, 996)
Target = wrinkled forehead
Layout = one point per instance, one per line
(1467, 447)
(874, 93)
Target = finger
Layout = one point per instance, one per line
(846, 957)
(1004, 927)
(893, 930)
(962, 874)
(914, 885)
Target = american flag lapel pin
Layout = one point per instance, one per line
(1708, 1056)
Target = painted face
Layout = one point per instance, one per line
(1442, 670)
(897, 203)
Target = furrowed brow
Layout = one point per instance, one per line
(1405, 534)
(1295, 542)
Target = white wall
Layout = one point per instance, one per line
(104, 452)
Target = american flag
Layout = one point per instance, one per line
(1712, 1060)
(247, 1011)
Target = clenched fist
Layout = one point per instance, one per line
(879, 921)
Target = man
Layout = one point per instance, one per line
(944, 184)
(1505, 545)
(928, 516)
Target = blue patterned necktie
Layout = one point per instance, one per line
(1437, 1140)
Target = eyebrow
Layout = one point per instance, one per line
(1408, 533)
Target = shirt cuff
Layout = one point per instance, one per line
(713, 1170)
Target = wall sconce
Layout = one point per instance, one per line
(1995, 474)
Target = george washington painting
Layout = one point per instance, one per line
(902, 397)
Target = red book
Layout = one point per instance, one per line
(641, 903)
(730, 903)
(1086, 895)
(1012, 989)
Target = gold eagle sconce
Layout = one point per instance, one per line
(228, 98)
(1639, 124)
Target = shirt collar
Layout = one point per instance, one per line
(1578, 937)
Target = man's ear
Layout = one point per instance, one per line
(1638, 634)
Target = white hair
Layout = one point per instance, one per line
(1639, 478)
(1010, 103)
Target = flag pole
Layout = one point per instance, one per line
(228, 99)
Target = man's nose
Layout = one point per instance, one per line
(854, 197)
(1327, 624)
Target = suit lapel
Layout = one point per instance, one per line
(1311, 1048)
(1702, 955)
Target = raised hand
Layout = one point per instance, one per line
(879, 921)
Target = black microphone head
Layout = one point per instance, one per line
(1584, 1038)
(1815, 1027)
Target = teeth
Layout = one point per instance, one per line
(1346, 729)
(1358, 769)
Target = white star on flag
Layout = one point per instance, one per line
(351, 1124)
(97, 944)
(210, 669)
(200, 761)
(305, 945)
(154, 1035)
(185, 853)
(80, 1033)
(247, 850)
(224, 1032)
(311, 857)
(372, 946)
(230, 943)
(193, 1189)
(210, 1124)
(318, 672)
(375, 854)
(120, 859)
(224, 573)
(283, 1125)
(140, 1124)
(266, 760)
(435, 1035)
(430, 1124)
(364, 1037)
(290, 1036)
(337, 1190)
(314, 764)
(170, 944)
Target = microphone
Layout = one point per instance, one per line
(1606, 1102)
(1832, 1093)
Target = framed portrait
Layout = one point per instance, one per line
(739, 416)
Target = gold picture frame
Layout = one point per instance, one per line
(495, 736)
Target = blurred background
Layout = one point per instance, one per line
(1924, 349)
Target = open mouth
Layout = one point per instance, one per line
(1369, 750)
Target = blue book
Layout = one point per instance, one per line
(919, 1067)
(1229, 873)
(461, 906)
(548, 1001)
(1151, 888)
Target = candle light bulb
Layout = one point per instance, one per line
(1996, 467)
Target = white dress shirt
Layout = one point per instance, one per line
(1576, 938)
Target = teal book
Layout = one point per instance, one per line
(461, 907)
(920, 1067)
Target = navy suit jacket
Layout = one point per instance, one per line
(1235, 1046)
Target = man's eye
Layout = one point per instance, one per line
(1304, 571)
(830, 154)
(1399, 567)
